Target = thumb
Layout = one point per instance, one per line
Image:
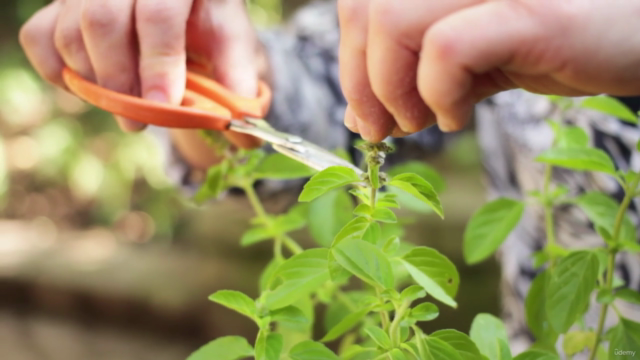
(161, 27)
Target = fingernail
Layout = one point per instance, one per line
(365, 129)
(350, 120)
(447, 126)
(156, 96)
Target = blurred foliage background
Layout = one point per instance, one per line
(101, 257)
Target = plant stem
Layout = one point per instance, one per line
(280, 238)
(394, 329)
(548, 211)
(617, 227)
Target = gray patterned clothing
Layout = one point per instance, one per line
(511, 129)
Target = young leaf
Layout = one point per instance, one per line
(354, 230)
(337, 273)
(610, 106)
(625, 337)
(570, 286)
(425, 312)
(311, 350)
(328, 214)
(281, 167)
(214, 184)
(535, 308)
(412, 293)
(489, 227)
(536, 355)
(629, 296)
(328, 179)
(486, 332)
(581, 159)
(504, 352)
(256, 235)
(384, 215)
(357, 352)
(421, 169)
(569, 136)
(301, 274)
(237, 301)
(577, 341)
(434, 272)
(291, 316)
(601, 209)
(391, 246)
(419, 188)
(267, 275)
(268, 346)
(465, 347)
(363, 210)
(387, 203)
(379, 336)
(224, 348)
(346, 324)
(365, 261)
(437, 349)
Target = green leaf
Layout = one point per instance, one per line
(437, 349)
(224, 348)
(328, 214)
(237, 301)
(419, 188)
(379, 336)
(384, 215)
(281, 167)
(580, 159)
(412, 293)
(373, 233)
(605, 296)
(421, 169)
(434, 272)
(346, 324)
(291, 316)
(365, 261)
(629, 296)
(601, 209)
(625, 337)
(425, 312)
(337, 273)
(301, 275)
(268, 346)
(363, 210)
(610, 106)
(504, 352)
(489, 227)
(266, 278)
(310, 350)
(328, 179)
(536, 355)
(397, 354)
(465, 347)
(214, 183)
(577, 341)
(256, 235)
(486, 332)
(354, 230)
(569, 136)
(571, 284)
(391, 246)
(535, 307)
(630, 246)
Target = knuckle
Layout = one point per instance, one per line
(352, 11)
(155, 13)
(68, 38)
(441, 42)
(29, 35)
(99, 18)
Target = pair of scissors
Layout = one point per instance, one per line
(208, 105)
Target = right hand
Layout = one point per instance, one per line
(140, 47)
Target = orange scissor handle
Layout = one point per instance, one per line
(206, 103)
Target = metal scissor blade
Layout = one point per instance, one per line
(292, 146)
